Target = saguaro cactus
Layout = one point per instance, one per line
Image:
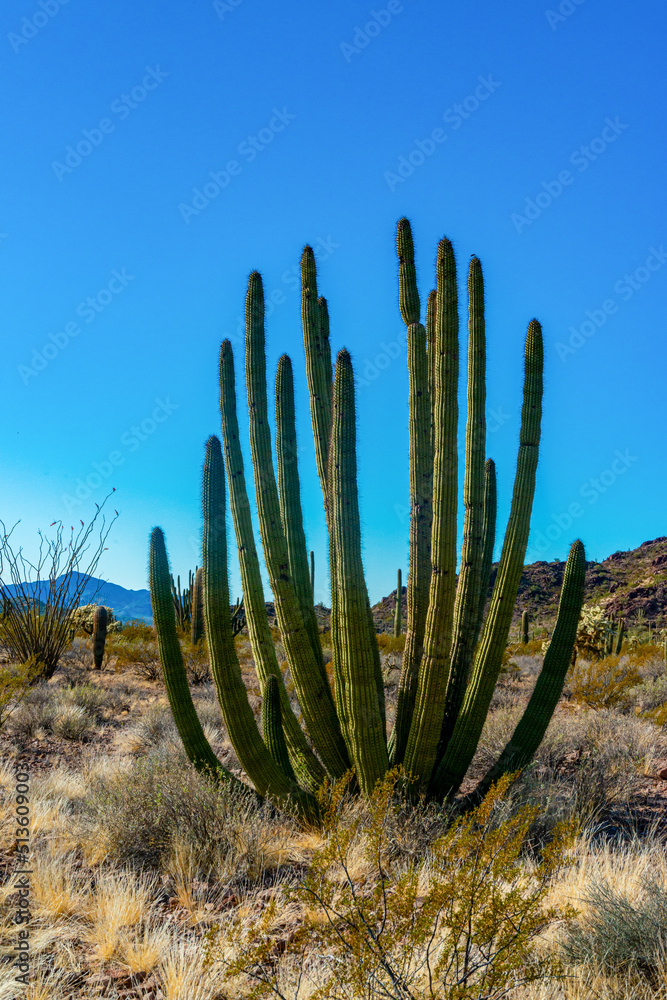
(453, 653)
(100, 621)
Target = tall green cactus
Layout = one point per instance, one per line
(525, 619)
(453, 653)
(100, 620)
(399, 603)
(197, 615)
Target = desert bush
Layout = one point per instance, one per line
(72, 722)
(81, 620)
(619, 934)
(67, 712)
(39, 594)
(648, 658)
(196, 660)
(587, 767)
(461, 923)
(651, 694)
(139, 654)
(161, 799)
(137, 628)
(15, 682)
(603, 683)
(390, 643)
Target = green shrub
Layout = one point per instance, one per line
(71, 722)
(460, 924)
(140, 813)
(619, 935)
(601, 683)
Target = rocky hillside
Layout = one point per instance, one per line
(625, 583)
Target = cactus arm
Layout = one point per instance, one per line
(309, 770)
(472, 554)
(421, 484)
(314, 317)
(532, 726)
(187, 721)
(272, 726)
(307, 668)
(488, 656)
(265, 774)
(359, 661)
(618, 642)
(421, 751)
(100, 618)
(398, 609)
(289, 494)
(197, 614)
(312, 575)
(489, 532)
(524, 627)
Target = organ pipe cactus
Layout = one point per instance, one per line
(399, 600)
(100, 621)
(197, 614)
(453, 653)
(524, 627)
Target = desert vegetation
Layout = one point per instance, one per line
(217, 807)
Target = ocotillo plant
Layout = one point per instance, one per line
(399, 600)
(525, 621)
(100, 620)
(452, 654)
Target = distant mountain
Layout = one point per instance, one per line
(126, 604)
(624, 584)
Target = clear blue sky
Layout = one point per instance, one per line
(548, 164)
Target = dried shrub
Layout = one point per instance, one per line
(603, 683)
(461, 923)
(622, 935)
(141, 812)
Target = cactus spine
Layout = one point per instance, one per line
(100, 620)
(399, 602)
(525, 620)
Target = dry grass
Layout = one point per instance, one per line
(136, 856)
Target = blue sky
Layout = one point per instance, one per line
(156, 153)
